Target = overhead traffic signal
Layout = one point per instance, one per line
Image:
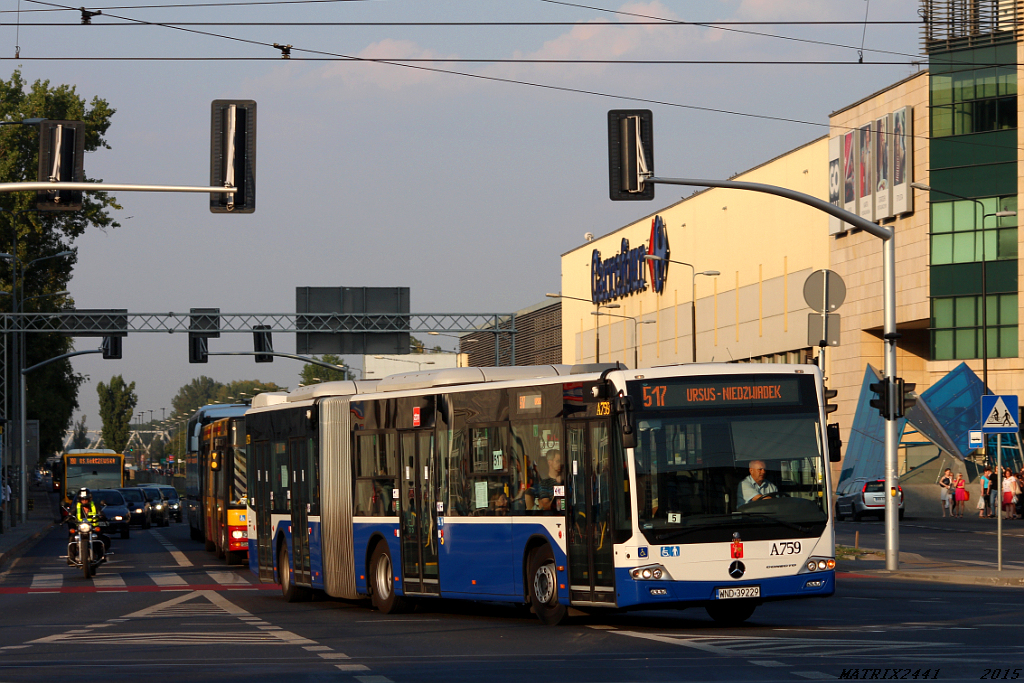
(61, 156)
(111, 348)
(204, 324)
(630, 154)
(262, 343)
(233, 155)
(198, 351)
(830, 394)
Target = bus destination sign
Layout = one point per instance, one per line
(92, 460)
(750, 391)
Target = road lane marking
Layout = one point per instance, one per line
(352, 667)
(814, 675)
(47, 581)
(334, 655)
(228, 578)
(108, 581)
(167, 579)
(178, 556)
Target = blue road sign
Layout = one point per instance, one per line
(999, 414)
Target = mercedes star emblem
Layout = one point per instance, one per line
(736, 570)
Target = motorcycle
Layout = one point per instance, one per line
(86, 547)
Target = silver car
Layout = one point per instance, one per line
(859, 497)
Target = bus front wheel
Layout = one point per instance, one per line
(544, 587)
(382, 589)
(731, 613)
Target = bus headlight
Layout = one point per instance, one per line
(819, 564)
(651, 572)
(238, 534)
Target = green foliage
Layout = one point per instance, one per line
(204, 390)
(313, 374)
(117, 406)
(30, 235)
(80, 438)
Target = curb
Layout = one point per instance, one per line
(24, 544)
(953, 577)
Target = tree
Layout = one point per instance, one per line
(117, 406)
(204, 390)
(30, 235)
(312, 374)
(80, 439)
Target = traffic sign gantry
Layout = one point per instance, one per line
(999, 415)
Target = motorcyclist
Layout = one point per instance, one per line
(87, 511)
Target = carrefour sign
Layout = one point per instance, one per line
(625, 273)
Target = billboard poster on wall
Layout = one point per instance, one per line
(850, 171)
(903, 161)
(865, 173)
(883, 169)
(835, 183)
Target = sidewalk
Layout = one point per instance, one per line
(39, 520)
(914, 567)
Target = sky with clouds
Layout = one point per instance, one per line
(464, 181)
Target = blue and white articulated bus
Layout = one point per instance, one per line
(556, 486)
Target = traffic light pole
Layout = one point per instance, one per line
(108, 187)
(892, 542)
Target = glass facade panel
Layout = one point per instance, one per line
(1007, 245)
(942, 217)
(942, 313)
(965, 341)
(1007, 342)
(943, 342)
(963, 247)
(1007, 309)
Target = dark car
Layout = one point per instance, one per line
(114, 508)
(860, 497)
(173, 501)
(161, 510)
(138, 506)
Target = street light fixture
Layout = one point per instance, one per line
(636, 361)
(693, 297)
(420, 364)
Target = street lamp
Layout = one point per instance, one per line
(419, 364)
(23, 122)
(693, 297)
(636, 361)
(597, 327)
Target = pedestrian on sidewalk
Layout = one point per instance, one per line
(1011, 491)
(946, 484)
(959, 495)
(984, 505)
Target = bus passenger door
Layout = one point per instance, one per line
(591, 557)
(298, 454)
(418, 514)
(264, 534)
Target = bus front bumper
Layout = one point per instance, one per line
(631, 592)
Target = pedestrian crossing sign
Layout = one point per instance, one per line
(999, 414)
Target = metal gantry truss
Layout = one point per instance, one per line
(73, 323)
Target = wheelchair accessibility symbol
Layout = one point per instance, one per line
(641, 552)
(670, 551)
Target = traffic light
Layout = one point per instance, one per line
(198, 352)
(262, 344)
(883, 398)
(204, 323)
(830, 394)
(61, 156)
(233, 155)
(111, 348)
(906, 398)
(630, 154)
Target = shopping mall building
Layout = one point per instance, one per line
(935, 157)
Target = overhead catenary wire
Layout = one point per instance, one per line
(321, 55)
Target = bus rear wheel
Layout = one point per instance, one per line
(289, 591)
(544, 587)
(731, 613)
(382, 585)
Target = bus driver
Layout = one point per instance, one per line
(754, 487)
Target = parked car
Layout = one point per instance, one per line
(173, 501)
(859, 497)
(161, 511)
(138, 506)
(115, 509)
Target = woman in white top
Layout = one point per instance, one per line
(1010, 490)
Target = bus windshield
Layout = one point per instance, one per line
(704, 473)
(93, 472)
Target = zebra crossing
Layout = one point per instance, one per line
(107, 580)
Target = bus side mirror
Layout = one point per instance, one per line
(627, 426)
(835, 443)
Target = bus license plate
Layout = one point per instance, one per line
(739, 592)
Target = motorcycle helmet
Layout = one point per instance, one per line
(84, 496)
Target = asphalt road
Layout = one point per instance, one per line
(164, 609)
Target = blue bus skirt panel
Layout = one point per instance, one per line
(362, 532)
(254, 559)
(631, 592)
(316, 556)
(478, 558)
